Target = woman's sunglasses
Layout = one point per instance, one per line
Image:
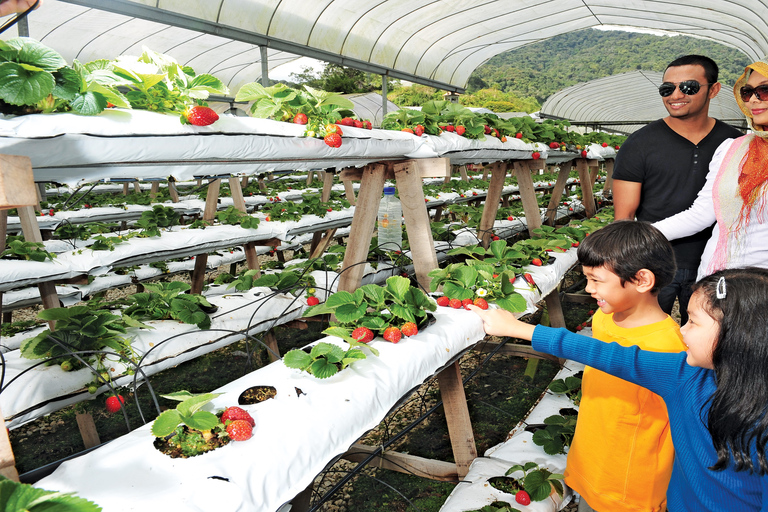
(761, 91)
(687, 87)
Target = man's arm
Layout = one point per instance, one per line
(626, 199)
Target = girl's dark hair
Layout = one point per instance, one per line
(626, 246)
(737, 416)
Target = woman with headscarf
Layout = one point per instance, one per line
(736, 191)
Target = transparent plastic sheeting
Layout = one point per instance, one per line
(135, 144)
(435, 43)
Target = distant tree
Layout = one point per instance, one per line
(309, 76)
(414, 95)
(498, 101)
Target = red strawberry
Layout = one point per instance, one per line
(114, 403)
(333, 128)
(487, 129)
(496, 237)
(583, 153)
(455, 303)
(300, 118)
(418, 130)
(529, 279)
(523, 498)
(460, 130)
(481, 303)
(465, 302)
(333, 140)
(409, 329)
(367, 125)
(313, 301)
(392, 334)
(510, 218)
(503, 138)
(519, 135)
(605, 144)
(358, 123)
(536, 261)
(449, 128)
(347, 121)
(408, 130)
(617, 147)
(237, 413)
(362, 334)
(536, 155)
(554, 145)
(443, 301)
(199, 116)
(575, 244)
(240, 430)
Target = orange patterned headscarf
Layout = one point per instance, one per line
(754, 172)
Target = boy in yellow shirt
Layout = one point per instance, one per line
(620, 459)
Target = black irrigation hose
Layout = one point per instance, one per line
(18, 18)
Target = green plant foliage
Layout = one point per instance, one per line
(557, 434)
(18, 497)
(151, 221)
(165, 301)
(233, 216)
(23, 250)
(325, 359)
(187, 412)
(497, 506)
(79, 328)
(570, 386)
(538, 481)
(377, 307)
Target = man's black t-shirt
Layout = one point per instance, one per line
(671, 170)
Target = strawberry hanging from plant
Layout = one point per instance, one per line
(199, 115)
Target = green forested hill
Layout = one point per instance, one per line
(540, 69)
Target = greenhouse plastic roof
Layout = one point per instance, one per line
(626, 102)
(434, 42)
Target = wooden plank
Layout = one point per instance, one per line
(317, 236)
(323, 243)
(88, 431)
(349, 190)
(173, 191)
(608, 187)
(463, 172)
(492, 199)
(457, 417)
(251, 257)
(594, 170)
(528, 194)
(555, 309)
(587, 197)
(557, 192)
(270, 340)
(514, 349)
(408, 176)
(404, 463)
(153, 190)
(361, 230)
(209, 213)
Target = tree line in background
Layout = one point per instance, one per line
(521, 80)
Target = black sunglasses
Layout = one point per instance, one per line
(761, 91)
(687, 87)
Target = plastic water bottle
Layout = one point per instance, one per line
(390, 221)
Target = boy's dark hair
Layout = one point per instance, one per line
(738, 415)
(626, 246)
(711, 70)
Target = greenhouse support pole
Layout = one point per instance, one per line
(264, 66)
(384, 93)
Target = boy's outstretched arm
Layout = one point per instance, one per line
(500, 322)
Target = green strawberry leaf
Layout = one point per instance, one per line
(202, 420)
(19, 86)
(166, 423)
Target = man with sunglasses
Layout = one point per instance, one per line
(661, 167)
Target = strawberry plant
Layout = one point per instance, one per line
(24, 250)
(376, 307)
(465, 281)
(326, 359)
(19, 497)
(556, 435)
(158, 217)
(234, 216)
(282, 281)
(108, 243)
(78, 329)
(165, 301)
(570, 386)
(537, 481)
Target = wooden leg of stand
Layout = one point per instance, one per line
(557, 192)
(7, 460)
(457, 416)
(87, 430)
(498, 175)
(201, 260)
(270, 340)
(587, 197)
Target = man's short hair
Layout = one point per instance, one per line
(626, 246)
(711, 70)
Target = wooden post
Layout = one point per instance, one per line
(557, 192)
(361, 230)
(463, 172)
(7, 460)
(457, 417)
(154, 189)
(608, 187)
(251, 258)
(317, 237)
(201, 260)
(173, 191)
(349, 190)
(498, 175)
(87, 430)
(522, 171)
(587, 197)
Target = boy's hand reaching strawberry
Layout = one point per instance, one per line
(500, 322)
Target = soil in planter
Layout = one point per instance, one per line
(505, 484)
(256, 394)
(188, 443)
